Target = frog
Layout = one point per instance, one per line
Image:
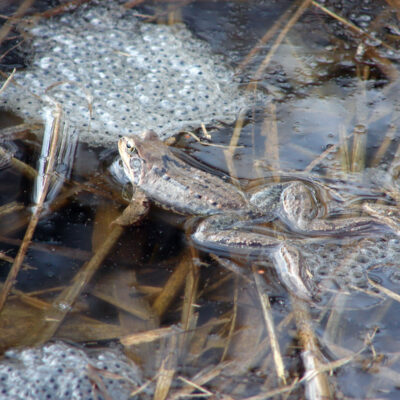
(230, 219)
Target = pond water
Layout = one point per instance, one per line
(231, 322)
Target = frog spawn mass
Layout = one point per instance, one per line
(58, 371)
(233, 220)
(112, 73)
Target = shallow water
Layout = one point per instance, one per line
(327, 88)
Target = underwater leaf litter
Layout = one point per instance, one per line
(339, 332)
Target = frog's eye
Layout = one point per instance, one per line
(130, 146)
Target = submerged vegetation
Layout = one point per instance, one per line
(220, 325)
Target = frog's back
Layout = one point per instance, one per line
(176, 185)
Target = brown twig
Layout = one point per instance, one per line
(173, 286)
(12, 275)
(64, 301)
(22, 9)
(269, 323)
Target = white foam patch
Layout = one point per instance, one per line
(136, 76)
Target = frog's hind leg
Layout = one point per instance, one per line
(228, 233)
(224, 234)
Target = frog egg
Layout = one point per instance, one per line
(188, 82)
(59, 371)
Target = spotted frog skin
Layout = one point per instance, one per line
(229, 214)
(172, 183)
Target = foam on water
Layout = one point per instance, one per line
(135, 76)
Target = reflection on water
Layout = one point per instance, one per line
(330, 121)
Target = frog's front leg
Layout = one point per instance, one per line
(136, 210)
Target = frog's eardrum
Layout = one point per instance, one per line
(114, 76)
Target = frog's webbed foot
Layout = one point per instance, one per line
(135, 211)
(303, 212)
(343, 227)
(293, 271)
(228, 233)
(385, 214)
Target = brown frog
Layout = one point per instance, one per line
(230, 214)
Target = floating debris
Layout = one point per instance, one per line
(114, 76)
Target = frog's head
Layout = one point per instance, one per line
(131, 158)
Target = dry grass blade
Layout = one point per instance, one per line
(122, 305)
(30, 300)
(173, 286)
(321, 157)
(8, 80)
(198, 140)
(11, 260)
(188, 318)
(269, 323)
(78, 328)
(230, 266)
(97, 381)
(318, 386)
(203, 392)
(12, 275)
(16, 131)
(349, 24)
(20, 166)
(72, 253)
(167, 369)
(359, 148)
(148, 336)
(205, 132)
(384, 290)
(274, 393)
(10, 208)
(349, 357)
(299, 12)
(270, 130)
(229, 153)
(133, 3)
(232, 322)
(140, 389)
(384, 215)
(22, 9)
(387, 141)
(64, 301)
(200, 379)
(265, 39)
(62, 8)
(344, 150)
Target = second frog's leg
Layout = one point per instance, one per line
(293, 271)
(302, 211)
(231, 233)
(225, 233)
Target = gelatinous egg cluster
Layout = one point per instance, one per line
(114, 76)
(61, 372)
(356, 266)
